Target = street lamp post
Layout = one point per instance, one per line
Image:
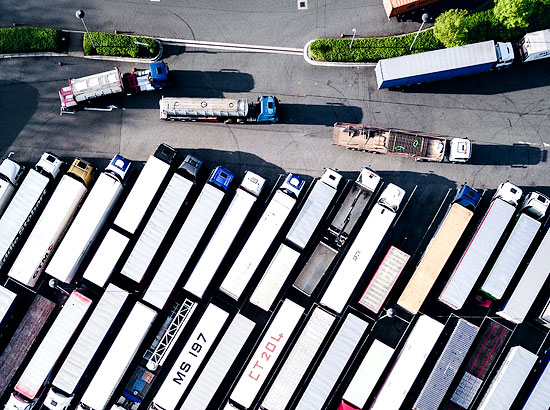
(80, 15)
(353, 38)
(425, 19)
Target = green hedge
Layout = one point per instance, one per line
(108, 44)
(372, 49)
(31, 39)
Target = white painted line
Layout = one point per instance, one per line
(232, 46)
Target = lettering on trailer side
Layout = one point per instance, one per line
(194, 351)
(270, 347)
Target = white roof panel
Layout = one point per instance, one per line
(6, 300)
(107, 255)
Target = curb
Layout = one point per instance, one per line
(309, 59)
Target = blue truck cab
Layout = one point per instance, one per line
(269, 109)
(119, 167)
(221, 178)
(467, 197)
(292, 185)
(159, 74)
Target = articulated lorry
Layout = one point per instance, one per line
(421, 147)
(10, 174)
(265, 109)
(439, 249)
(312, 212)
(481, 246)
(228, 228)
(356, 201)
(363, 248)
(89, 221)
(65, 325)
(443, 64)
(85, 348)
(52, 224)
(110, 82)
(27, 203)
(534, 46)
(526, 226)
(263, 235)
(188, 237)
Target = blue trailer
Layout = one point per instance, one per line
(443, 64)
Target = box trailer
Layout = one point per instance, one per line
(384, 278)
(153, 359)
(443, 64)
(479, 363)
(27, 204)
(367, 375)
(145, 188)
(446, 367)
(118, 358)
(266, 354)
(85, 348)
(439, 249)
(52, 224)
(539, 395)
(161, 219)
(7, 299)
(230, 225)
(363, 248)
(188, 237)
(193, 353)
(525, 228)
(262, 236)
(56, 340)
(481, 246)
(333, 363)
(534, 46)
(408, 364)
(298, 361)
(517, 306)
(399, 7)
(23, 339)
(10, 174)
(507, 382)
(274, 277)
(89, 220)
(211, 377)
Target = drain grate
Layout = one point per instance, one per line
(302, 5)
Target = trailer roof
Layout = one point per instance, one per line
(538, 41)
(437, 60)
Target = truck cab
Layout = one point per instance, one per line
(368, 179)
(191, 166)
(460, 150)
(505, 54)
(535, 204)
(508, 192)
(331, 178)
(119, 167)
(17, 402)
(57, 400)
(292, 185)
(166, 153)
(391, 197)
(10, 172)
(252, 183)
(467, 197)
(81, 170)
(268, 109)
(221, 178)
(49, 164)
(158, 76)
(155, 78)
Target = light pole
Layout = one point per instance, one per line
(80, 15)
(425, 19)
(353, 38)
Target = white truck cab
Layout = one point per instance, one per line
(505, 54)
(535, 204)
(368, 179)
(460, 150)
(50, 164)
(252, 183)
(292, 185)
(18, 402)
(391, 197)
(508, 192)
(331, 178)
(10, 172)
(56, 400)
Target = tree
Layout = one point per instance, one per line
(514, 13)
(451, 28)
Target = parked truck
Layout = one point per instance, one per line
(526, 226)
(56, 340)
(24, 339)
(363, 248)
(481, 246)
(89, 221)
(265, 109)
(442, 64)
(7, 299)
(421, 147)
(439, 249)
(231, 223)
(27, 204)
(301, 356)
(539, 396)
(52, 224)
(171, 201)
(110, 82)
(85, 348)
(10, 173)
(402, 7)
(355, 203)
(188, 237)
(263, 235)
(534, 46)
(311, 213)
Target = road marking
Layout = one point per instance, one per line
(233, 46)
